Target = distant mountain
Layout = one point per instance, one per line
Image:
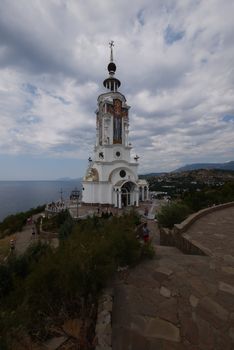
(195, 166)
(142, 176)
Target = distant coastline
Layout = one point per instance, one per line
(17, 196)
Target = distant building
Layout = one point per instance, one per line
(111, 177)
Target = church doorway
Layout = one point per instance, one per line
(127, 193)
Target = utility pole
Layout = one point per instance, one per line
(77, 203)
(61, 194)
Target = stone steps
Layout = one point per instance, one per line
(165, 250)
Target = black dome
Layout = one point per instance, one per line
(111, 67)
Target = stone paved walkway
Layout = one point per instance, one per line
(215, 231)
(25, 238)
(179, 301)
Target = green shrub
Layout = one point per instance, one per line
(209, 196)
(173, 213)
(66, 227)
(49, 286)
(54, 223)
(3, 344)
(197, 200)
(22, 265)
(6, 282)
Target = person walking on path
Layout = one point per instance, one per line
(33, 232)
(12, 245)
(145, 232)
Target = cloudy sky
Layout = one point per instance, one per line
(175, 59)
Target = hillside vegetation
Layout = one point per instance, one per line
(42, 288)
(193, 201)
(15, 223)
(222, 166)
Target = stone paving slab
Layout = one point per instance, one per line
(173, 317)
(215, 232)
(175, 301)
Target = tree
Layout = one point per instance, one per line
(173, 213)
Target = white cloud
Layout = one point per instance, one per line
(174, 58)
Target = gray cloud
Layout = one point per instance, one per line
(175, 61)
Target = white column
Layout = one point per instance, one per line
(137, 198)
(142, 193)
(126, 135)
(93, 194)
(115, 199)
(120, 199)
(147, 193)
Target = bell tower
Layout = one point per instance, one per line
(111, 177)
(112, 112)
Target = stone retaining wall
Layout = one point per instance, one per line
(167, 237)
(178, 238)
(183, 226)
(104, 317)
(187, 246)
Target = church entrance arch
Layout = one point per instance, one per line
(126, 194)
(127, 191)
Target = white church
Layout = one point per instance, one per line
(111, 178)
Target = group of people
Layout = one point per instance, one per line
(104, 214)
(56, 206)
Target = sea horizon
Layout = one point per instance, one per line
(41, 180)
(21, 195)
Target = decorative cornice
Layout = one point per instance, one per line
(101, 162)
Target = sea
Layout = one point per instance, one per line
(18, 196)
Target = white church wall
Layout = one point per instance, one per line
(97, 192)
(115, 175)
